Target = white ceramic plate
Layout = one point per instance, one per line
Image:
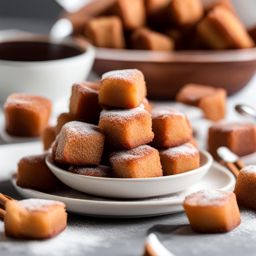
(218, 177)
(132, 188)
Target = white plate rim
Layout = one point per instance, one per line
(138, 202)
(208, 163)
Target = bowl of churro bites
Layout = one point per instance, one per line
(172, 42)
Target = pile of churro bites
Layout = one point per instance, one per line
(167, 25)
(111, 130)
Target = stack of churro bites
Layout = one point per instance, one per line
(111, 130)
(167, 25)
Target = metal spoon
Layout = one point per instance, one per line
(246, 110)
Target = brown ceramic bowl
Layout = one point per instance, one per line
(167, 72)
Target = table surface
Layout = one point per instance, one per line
(94, 236)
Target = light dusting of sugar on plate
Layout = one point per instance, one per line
(38, 204)
(185, 149)
(208, 197)
(132, 153)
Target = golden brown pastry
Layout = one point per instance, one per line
(180, 159)
(84, 102)
(122, 88)
(126, 129)
(140, 162)
(171, 128)
(221, 29)
(34, 218)
(239, 137)
(211, 100)
(106, 32)
(212, 211)
(26, 115)
(146, 39)
(79, 143)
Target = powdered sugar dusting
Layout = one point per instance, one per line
(123, 114)
(77, 127)
(132, 154)
(165, 112)
(249, 169)
(125, 74)
(185, 149)
(233, 126)
(39, 204)
(208, 197)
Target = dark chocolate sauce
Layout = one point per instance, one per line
(36, 51)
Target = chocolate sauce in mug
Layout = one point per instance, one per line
(36, 51)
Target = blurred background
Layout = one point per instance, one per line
(45, 12)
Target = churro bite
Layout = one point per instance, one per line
(221, 29)
(140, 162)
(84, 102)
(180, 159)
(211, 100)
(62, 119)
(171, 128)
(26, 115)
(98, 171)
(186, 12)
(122, 88)
(79, 144)
(126, 129)
(146, 39)
(131, 12)
(245, 188)
(240, 138)
(212, 211)
(106, 32)
(33, 173)
(48, 136)
(34, 218)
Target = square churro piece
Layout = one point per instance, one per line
(33, 173)
(221, 29)
(220, 207)
(180, 159)
(240, 138)
(211, 100)
(146, 39)
(26, 115)
(122, 88)
(140, 162)
(131, 12)
(186, 12)
(126, 129)
(245, 188)
(97, 171)
(48, 136)
(171, 128)
(79, 144)
(84, 102)
(62, 119)
(34, 218)
(105, 32)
